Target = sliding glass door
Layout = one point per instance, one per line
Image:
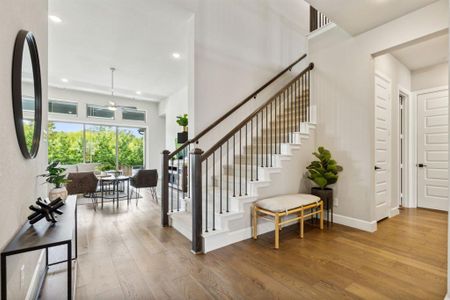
(111, 147)
(101, 146)
(130, 149)
(65, 143)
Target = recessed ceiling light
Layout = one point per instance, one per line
(55, 19)
(176, 55)
(65, 80)
(138, 92)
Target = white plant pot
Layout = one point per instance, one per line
(58, 193)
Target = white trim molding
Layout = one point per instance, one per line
(355, 223)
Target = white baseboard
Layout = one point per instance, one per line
(355, 223)
(394, 212)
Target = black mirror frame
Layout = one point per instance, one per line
(26, 37)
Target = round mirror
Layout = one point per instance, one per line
(27, 93)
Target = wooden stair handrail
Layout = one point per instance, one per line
(235, 108)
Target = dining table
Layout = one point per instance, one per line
(113, 187)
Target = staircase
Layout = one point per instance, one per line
(263, 156)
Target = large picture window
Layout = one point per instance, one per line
(111, 147)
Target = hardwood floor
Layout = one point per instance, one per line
(125, 254)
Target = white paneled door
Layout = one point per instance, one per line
(382, 134)
(432, 150)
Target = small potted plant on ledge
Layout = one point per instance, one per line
(323, 172)
(56, 176)
(182, 137)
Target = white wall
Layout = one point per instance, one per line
(400, 77)
(344, 90)
(173, 106)
(239, 45)
(154, 123)
(19, 184)
(430, 77)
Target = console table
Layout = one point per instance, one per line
(43, 235)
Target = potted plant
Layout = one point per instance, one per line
(56, 176)
(323, 172)
(182, 137)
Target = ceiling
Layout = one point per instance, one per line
(424, 54)
(358, 16)
(138, 40)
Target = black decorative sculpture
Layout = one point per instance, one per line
(45, 210)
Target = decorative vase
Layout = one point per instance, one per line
(182, 137)
(58, 193)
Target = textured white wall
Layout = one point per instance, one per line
(239, 45)
(175, 105)
(19, 184)
(344, 90)
(430, 77)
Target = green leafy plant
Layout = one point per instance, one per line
(55, 174)
(183, 121)
(324, 171)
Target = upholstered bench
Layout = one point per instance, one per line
(285, 205)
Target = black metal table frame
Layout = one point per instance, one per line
(115, 182)
(68, 243)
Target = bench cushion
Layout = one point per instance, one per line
(286, 202)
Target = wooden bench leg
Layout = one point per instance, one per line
(277, 231)
(302, 224)
(321, 215)
(255, 222)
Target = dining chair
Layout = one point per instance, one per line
(84, 183)
(145, 179)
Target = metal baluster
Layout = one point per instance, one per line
(284, 117)
(179, 173)
(246, 156)
(251, 150)
(279, 123)
(206, 195)
(271, 134)
(220, 174)
(234, 166)
(262, 139)
(228, 172)
(275, 124)
(257, 146)
(240, 162)
(171, 184)
(267, 140)
(291, 113)
(214, 191)
(297, 98)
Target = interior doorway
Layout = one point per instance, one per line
(403, 146)
(432, 149)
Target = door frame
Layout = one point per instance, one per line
(414, 116)
(407, 167)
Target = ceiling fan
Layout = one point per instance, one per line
(113, 104)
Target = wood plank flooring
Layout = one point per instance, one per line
(125, 254)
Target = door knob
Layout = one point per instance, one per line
(377, 168)
(421, 165)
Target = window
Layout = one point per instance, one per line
(65, 142)
(112, 147)
(130, 144)
(62, 107)
(94, 111)
(133, 114)
(28, 104)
